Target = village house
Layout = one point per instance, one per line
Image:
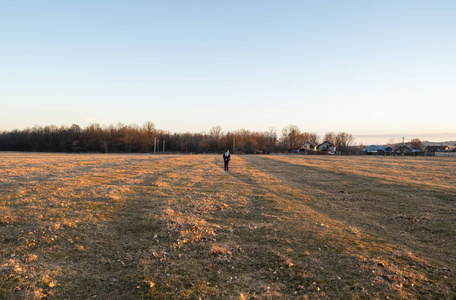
(437, 148)
(403, 150)
(376, 150)
(431, 150)
(327, 146)
(309, 146)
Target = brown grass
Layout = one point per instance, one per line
(157, 227)
(434, 173)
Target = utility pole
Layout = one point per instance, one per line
(163, 145)
(155, 145)
(403, 145)
(234, 144)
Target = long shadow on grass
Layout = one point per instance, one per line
(419, 218)
(261, 242)
(108, 264)
(291, 251)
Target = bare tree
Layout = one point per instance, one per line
(271, 138)
(215, 134)
(343, 141)
(310, 137)
(124, 136)
(242, 138)
(132, 138)
(416, 144)
(291, 135)
(330, 137)
(149, 131)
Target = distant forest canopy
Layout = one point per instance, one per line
(122, 138)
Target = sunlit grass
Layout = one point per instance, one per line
(431, 172)
(160, 227)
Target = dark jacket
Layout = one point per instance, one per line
(226, 156)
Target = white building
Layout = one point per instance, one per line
(327, 146)
(309, 146)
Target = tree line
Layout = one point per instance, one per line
(121, 138)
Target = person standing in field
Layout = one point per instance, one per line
(226, 159)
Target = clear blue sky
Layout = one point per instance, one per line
(377, 69)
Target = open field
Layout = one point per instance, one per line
(274, 227)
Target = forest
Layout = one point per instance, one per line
(121, 138)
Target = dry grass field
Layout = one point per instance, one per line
(273, 227)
